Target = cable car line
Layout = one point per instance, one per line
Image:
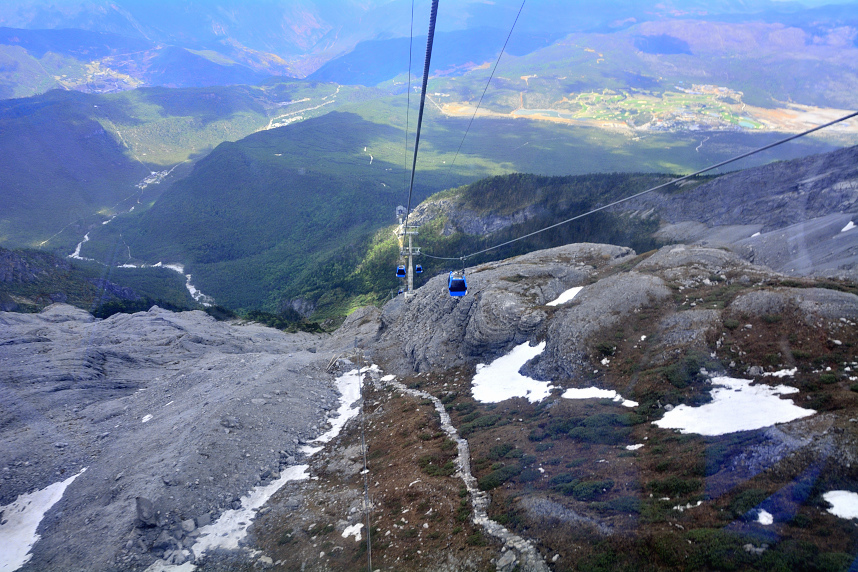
(480, 102)
(661, 186)
(429, 40)
(408, 105)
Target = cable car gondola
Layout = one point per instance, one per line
(457, 285)
(418, 269)
(400, 271)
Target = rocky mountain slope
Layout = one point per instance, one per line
(794, 216)
(175, 417)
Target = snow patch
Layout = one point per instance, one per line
(500, 380)
(565, 296)
(76, 254)
(634, 447)
(689, 506)
(232, 525)
(20, 519)
(348, 385)
(736, 406)
(765, 518)
(848, 227)
(161, 566)
(353, 530)
(146, 418)
(844, 504)
(596, 393)
(781, 373)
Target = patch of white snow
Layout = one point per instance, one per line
(848, 227)
(781, 373)
(500, 380)
(146, 418)
(162, 566)
(634, 447)
(565, 296)
(348, 385)
(689, 506)
(844, 504)
(736, 406)
(765, 518)
(20, 519)
(353, 530)
(596, 393)
(232, 525)
(76, 254)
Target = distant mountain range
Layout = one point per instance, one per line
(108, 46)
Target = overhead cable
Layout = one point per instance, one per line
(480, 102)
(429, 40)
(408, 105)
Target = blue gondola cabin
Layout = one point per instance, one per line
(457, 285)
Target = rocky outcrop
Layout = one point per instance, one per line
(15, 267)
(464, 220)
(598, 307)
(815, 305)
(503, 307)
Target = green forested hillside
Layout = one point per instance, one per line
(31, 280)
(59, 167)
(291, 213)
(256, 217)
(70, 160)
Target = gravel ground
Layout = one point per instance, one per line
(175, 409)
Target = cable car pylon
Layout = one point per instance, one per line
(407, 252)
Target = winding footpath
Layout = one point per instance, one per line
(528, 557)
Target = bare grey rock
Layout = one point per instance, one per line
(773, 196)
(692, 261)
(543, 508)
(816, 247)
(146, 512)
(814, 304)
(188, 525)
(507, 562)
(599, 306)
(787, 215)
(682, 331)
(503, 307)
(149, 396)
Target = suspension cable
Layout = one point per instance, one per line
(429, 40)
(661, 186)
(408, 105)
(480, 102)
